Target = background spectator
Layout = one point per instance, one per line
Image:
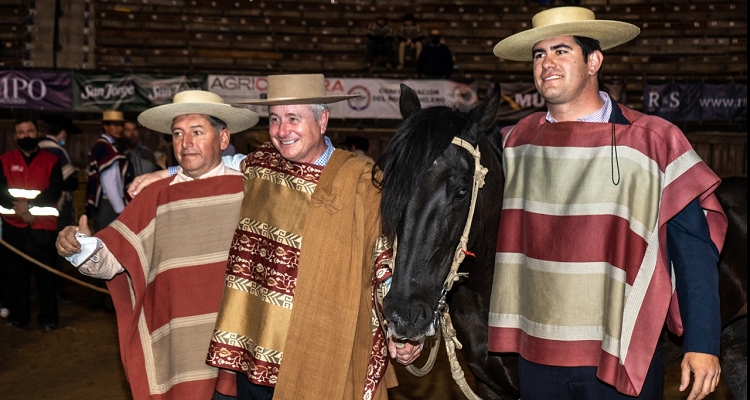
(140, 157)
(380, 42)
(30, 186)
(359, 146)
(58, 129)
(409, 36)
(107, 166)
(436, 60)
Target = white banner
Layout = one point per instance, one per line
(379, 97)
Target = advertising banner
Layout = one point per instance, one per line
(518, 100)
(35, 90)
(378, 97)
(160, 89)
(129, 92)
(696, 101)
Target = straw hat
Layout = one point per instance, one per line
(112, 116)
(565, 21)
(160, 118)
(297, 89)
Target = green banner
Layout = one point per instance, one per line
(129, 92)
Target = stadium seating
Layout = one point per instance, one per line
(695, 40)
(15, 18)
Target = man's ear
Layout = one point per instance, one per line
(323, 121)
(596, 58)
(224, 139)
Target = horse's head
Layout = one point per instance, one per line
(426, 197)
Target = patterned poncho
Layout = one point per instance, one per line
(308, 303)
(173, 242)
(102, 155)
(581, 274)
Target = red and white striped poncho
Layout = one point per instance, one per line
(581, 274)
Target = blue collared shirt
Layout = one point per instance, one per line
(326, 156)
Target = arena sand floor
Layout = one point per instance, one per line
(81, 361)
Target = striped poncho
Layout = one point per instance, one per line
(173, 242)
(581, 274)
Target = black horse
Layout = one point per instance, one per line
(732, 195)
(429, 181)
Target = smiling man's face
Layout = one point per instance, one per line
(561, 74)
(295, 133)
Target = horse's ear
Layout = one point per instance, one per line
(485, 114)
(409, 102)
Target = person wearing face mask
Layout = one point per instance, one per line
(58, 129)
(30, 187)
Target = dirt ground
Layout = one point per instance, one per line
(80, 360)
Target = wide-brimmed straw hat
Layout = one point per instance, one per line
(112, 116)
(297, 89)
(565, 21)
(160, 118)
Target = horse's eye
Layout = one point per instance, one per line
(463, 192)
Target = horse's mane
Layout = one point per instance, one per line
(418, 141)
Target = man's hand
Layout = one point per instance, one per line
(66, 243)
(21, 208)
(404, 352)
(140, 182)
(705, 368)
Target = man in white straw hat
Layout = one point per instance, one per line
(165, 256)
(311, 305)
(603, 206)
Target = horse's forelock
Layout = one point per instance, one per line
(417, 143)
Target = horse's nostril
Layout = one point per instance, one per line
(418, 314)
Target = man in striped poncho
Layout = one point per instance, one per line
(603, 207)
(165, 255)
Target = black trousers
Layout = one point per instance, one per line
(103, 215)
(40, 245)
(544, 382)
(247, 390)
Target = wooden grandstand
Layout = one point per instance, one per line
(699, 40)
(15, 19)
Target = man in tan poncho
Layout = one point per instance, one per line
(296, 319)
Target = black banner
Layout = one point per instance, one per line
(696, 101)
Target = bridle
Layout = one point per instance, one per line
(442, 317)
